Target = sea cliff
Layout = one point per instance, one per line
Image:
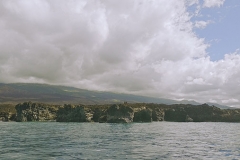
(119, 113)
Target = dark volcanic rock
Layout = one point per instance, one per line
(102, 119)
(5, 117)
(29, 111)
(144, 115)
(204, 113)
(229, 115)
(189, 113)
(188, 119)
(71, 113)
(175, 115)
(7, 112)
(98, 115)
(158, 114)
(201, 113)
(119, 114)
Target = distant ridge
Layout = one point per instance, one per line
(20, 92)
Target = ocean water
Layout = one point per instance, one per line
(157, 140)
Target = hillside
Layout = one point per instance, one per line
(20, 92)
(14, 93)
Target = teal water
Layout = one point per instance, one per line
(157, 140)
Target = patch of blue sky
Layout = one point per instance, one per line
(223, 31)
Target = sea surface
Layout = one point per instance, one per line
(156, 140)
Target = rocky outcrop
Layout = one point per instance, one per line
(229, 115)
(188, 119)
(5, 117)
(201, 113)
(7, 112)
(119, 114)
(103, 119)
(144, 115)
(158, 114)
(175, 115)
(99, 115)
(29, 111)
(71, 113)
(204, 113)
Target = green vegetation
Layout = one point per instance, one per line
(6, 108)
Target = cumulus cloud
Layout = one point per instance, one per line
(140, 47)
(213, 3)
(202, 24)
(191, 2)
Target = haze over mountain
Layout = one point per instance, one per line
(20, 92)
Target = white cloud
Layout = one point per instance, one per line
(202, 24)
(191, 2)
(213, 3)
(140, 47)
(232, 100)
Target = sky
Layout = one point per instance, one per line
(184, 49)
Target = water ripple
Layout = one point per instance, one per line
(158, 140)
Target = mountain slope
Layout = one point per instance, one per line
(20, 92)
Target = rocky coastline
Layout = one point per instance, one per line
(119, 113)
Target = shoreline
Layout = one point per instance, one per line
(119, 113)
